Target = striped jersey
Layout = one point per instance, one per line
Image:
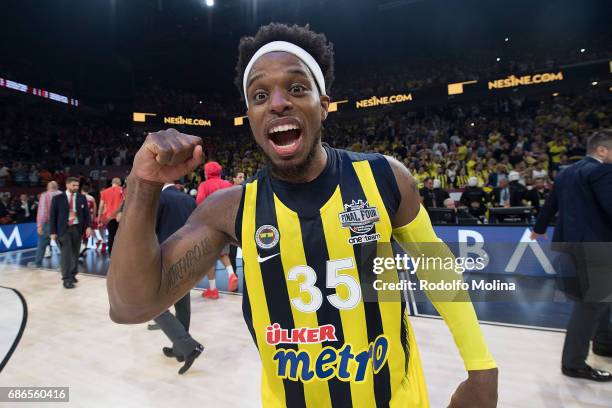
(308, 251)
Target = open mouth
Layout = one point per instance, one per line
(285, 138)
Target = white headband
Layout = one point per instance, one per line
(285, 46)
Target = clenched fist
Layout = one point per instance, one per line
(167, 155)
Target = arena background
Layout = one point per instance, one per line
(470, 84)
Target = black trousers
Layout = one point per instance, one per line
(587, 321)
(232, 256)
(112, 226)
(603, 336)
(176, 328)
(70, 243)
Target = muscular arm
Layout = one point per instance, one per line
(145, 278)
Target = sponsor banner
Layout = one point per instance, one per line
(172, 120)
(14, 237)
(508, 250)
(554, 79)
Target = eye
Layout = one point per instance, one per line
(297, 89)
(259, 96)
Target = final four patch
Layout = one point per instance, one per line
(267, 236)
(360, 218)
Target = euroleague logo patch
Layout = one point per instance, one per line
(267, 236)
(360, 218)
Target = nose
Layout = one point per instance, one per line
(279, 102)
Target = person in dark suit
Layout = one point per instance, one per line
(440, 194)
(582, 197)
(537, 195)
(427, 193)
(509, 193)
(25, 210)
(173, 211)
(69, 218)
(474, 198)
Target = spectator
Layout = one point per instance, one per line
(440, 194)
(537, 195)
(427, 193)
(539, 172)
(25, 209)
(475, 198)
(6, 213)
(501, 194)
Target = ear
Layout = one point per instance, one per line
(324, 106)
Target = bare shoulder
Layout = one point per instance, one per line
(405, 181)
(409, 190)
(220, 210)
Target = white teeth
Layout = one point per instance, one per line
(283, 128)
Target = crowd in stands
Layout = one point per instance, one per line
(477, 148)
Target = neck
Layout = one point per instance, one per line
(596, 157)
(310, 170)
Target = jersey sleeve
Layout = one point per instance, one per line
(455, 307)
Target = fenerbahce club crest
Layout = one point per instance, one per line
(267, 236)
(360, 218)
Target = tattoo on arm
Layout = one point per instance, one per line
(186, 267)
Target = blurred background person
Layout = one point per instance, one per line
(474, 198)
(110, 201)
(214, 182)
(24, 209)
(173, 211)
(237, 179)
(42, 221)
(428, 197)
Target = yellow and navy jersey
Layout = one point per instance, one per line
(324, 337)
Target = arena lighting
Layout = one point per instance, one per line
(506, 39)
(582, 50)
(594, 83)
(210, 3)
(43, 93)
(555, 94)
(498, 59)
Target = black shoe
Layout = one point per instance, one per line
(153, 326)
(604, 352)
(191, 358)
(68, 284)
(169, 352)
(587, 373)
(75, 280)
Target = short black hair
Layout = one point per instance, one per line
(600, 138)
(315, 44)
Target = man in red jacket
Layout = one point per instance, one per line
(214, 182)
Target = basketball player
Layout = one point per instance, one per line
(302, 265)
